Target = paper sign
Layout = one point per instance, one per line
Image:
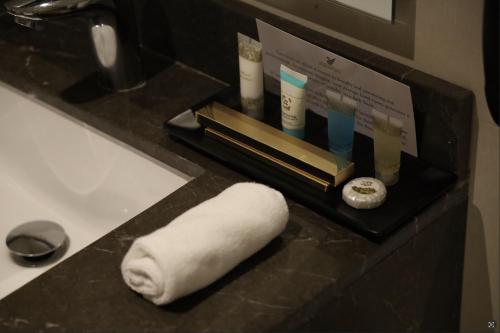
(327, 70)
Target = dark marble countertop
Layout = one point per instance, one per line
(276, 289)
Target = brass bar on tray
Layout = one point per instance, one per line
(274, 143)
(313, 180)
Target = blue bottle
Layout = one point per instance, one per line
(341, 120)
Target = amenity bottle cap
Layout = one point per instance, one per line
(349, 101)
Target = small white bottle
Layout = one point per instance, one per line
(251, 76)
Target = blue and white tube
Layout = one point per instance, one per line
(293, 102)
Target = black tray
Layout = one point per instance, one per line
(419, 184)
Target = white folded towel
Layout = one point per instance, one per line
(205, 242)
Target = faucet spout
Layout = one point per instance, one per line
(47, 7)
(113, 32)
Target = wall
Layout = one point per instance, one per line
(448, 35)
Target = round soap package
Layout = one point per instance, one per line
(364, 193)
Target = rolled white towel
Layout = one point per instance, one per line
(205, 242)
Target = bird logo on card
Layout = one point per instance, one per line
(330, 61)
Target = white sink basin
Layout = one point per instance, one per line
(55, 168)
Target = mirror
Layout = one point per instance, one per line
(389, 25)
(379, 8)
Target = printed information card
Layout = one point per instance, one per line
(327, 70)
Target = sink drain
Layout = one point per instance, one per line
(36, 240)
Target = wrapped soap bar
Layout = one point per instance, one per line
(364, 193)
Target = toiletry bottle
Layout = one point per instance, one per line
(293, 102)
(251, 76)
(341, 120)
(387, 144)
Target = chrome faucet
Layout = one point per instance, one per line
(113, 31)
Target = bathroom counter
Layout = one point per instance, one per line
(316, 272)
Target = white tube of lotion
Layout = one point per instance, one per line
(251, 76)
(293, 102)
